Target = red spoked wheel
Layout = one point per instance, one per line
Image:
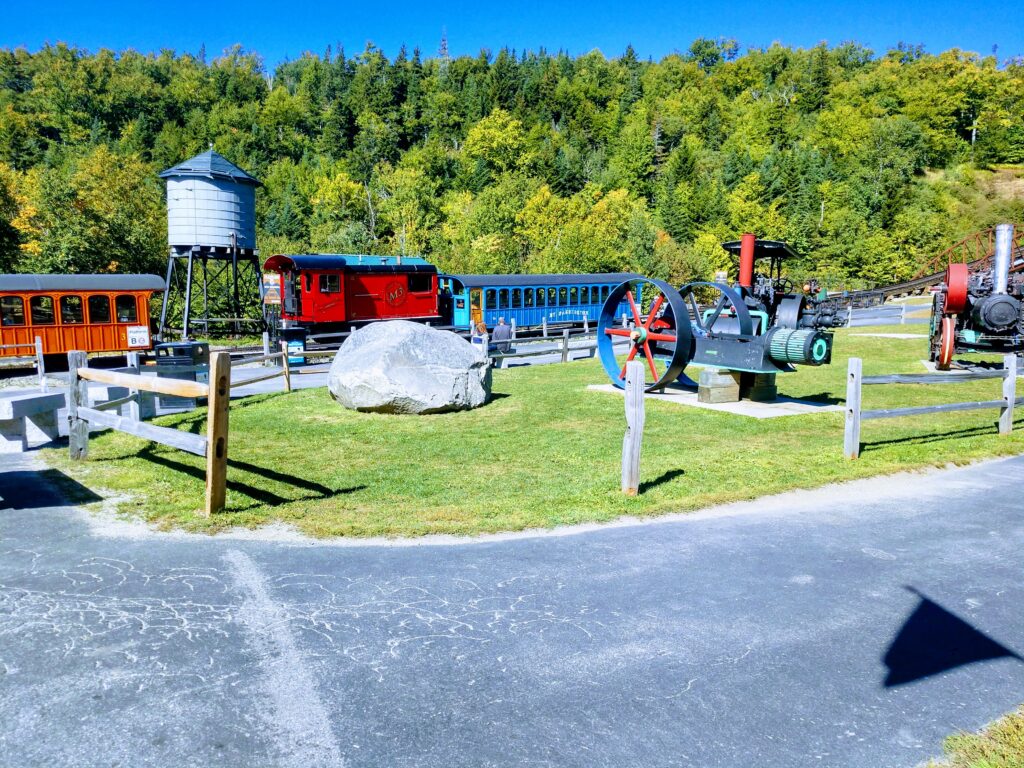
(659, 335)
(947, 343)
(957, 277)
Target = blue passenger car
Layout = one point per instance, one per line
(529, 299)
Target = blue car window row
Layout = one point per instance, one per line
(571, 296)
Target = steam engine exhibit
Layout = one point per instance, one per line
(979, 309)
(762, 325)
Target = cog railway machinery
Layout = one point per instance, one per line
(762, 325)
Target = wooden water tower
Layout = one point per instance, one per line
(213, 270)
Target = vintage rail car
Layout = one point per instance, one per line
(326, 292)
(93, 313)
(335, 291)
(528, 300)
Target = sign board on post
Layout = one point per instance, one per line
(138, 337)
(271, 288)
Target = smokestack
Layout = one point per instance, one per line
(747, 260)
(1001, 260)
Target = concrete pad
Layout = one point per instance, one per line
(893, 335)
(783, 406)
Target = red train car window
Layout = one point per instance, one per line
(41, 310)
(99, 309)
(421, 283)
(72, 312)
(330, 283)
(127, 311)
(12, 310)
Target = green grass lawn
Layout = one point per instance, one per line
(1000, 745)
(544, 452)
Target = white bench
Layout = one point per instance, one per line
(30, 416)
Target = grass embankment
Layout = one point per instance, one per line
(1000, 745)
(544, 452)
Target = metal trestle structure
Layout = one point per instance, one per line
(212, 289)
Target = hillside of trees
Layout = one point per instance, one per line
(867, 163)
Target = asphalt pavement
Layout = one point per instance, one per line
(853, 626)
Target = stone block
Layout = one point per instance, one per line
(718, 386)
(759, 387)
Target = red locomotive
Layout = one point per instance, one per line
(334, 291)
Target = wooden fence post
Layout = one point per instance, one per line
(565, 345)
(512, 323)
(851, 440)
(1009, 394)
(634, 427)
(849, 316)
(544, 326)
(78, 397)
(903, 314)
(40, 364)
(217, 432)
(287, 368)
(586, 324)
(266, 348)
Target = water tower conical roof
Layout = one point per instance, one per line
(211, 165)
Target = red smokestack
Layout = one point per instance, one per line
(747, 260)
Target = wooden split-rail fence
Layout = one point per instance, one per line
(855, 381)
(213, 446)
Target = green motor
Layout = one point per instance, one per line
(800, 346)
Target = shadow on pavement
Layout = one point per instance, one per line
(933, 640)
(30, 489)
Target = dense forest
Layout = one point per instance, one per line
(867, 163)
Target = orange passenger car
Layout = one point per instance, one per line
(91, 313)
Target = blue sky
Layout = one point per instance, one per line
(284, 29)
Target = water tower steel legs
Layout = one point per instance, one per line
(231, 296)
(167, 296)
(188, 298)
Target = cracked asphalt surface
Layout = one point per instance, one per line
(733, 638)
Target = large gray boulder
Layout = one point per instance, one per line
(403, 367)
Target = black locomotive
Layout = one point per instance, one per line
(980, 309)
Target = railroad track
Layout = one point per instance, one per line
(974, 250)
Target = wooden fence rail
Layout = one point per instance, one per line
(37, 349)
(855, 381)
(213, 446)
